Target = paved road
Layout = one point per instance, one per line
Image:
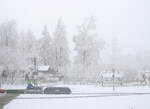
(5, 99)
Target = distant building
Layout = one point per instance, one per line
(46, 73)
(42, 69)
(108, 75)
(46, 70)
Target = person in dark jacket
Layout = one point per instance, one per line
(30, 85)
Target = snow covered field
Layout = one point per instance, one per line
(35, 101)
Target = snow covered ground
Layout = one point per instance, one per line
(38, 101)
(123, 102)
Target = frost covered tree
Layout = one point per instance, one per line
(115, 53)
(8, 34)
(44, 47)
(8, 47)
(87, 46)
(60, 47)
(22, 50)
(30, 42)
(8, 42)
(27, 47)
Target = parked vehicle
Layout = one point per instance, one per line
(2, 91)
(57, 90)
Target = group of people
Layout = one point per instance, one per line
(145, 80)
(101, 78)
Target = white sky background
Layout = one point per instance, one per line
(128, 20)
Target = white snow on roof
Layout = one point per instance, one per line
(43, 68)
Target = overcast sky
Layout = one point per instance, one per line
(128, 20)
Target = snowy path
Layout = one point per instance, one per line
(112, 102)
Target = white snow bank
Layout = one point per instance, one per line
(99, 89)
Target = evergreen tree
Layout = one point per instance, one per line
(8, 34)
(60, 47)
(88, 49)
(45, 47)
(87, 46)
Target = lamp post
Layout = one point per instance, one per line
(113, 76)
(35, 73)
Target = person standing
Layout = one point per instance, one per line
(149, 79)
(35, 79)
(144, 79)
(27, 77)
(100, 80)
